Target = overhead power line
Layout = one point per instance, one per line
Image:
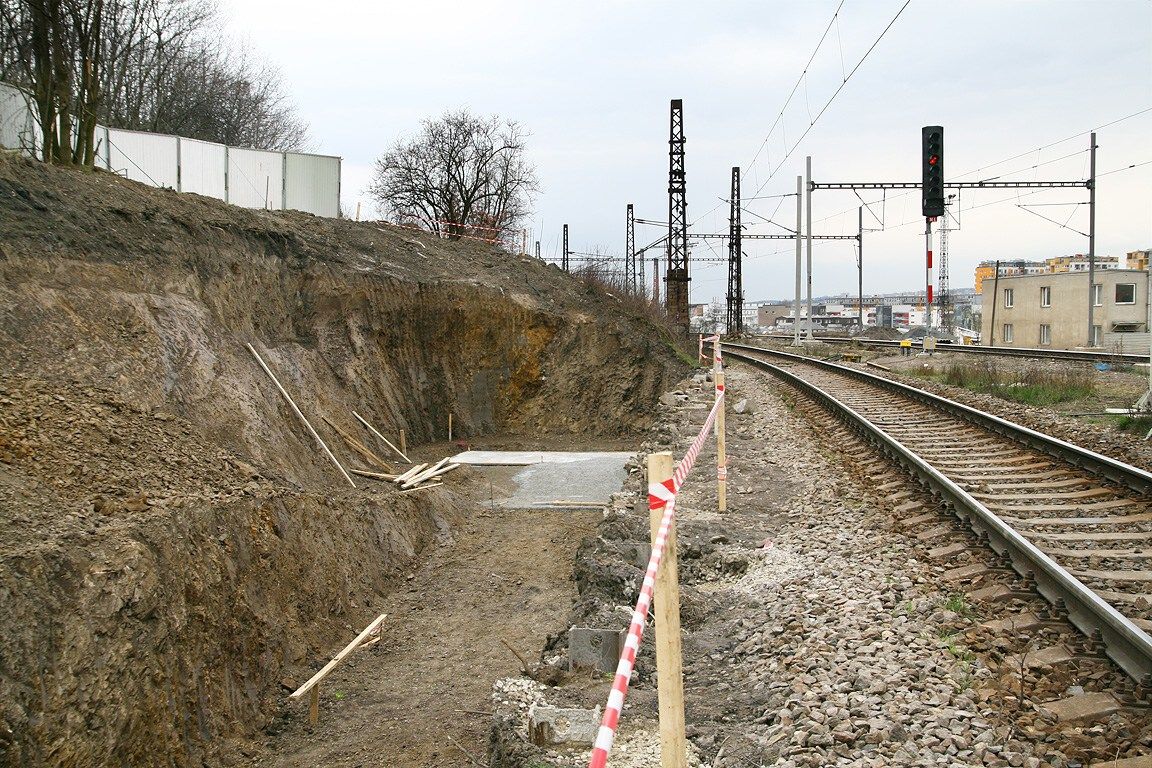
(803, 74)
(836, 93)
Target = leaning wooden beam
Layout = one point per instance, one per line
(422, 487)
(316, 678)
(411, 473)
(372, 429)
(295, 408)
(428, 475)
(365, 452)
(376, 475)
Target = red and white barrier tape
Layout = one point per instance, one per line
(659, 495)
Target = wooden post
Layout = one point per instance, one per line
(449, 426)
(314, 706)
(308, 424)
(721, 452)
(403, 441)
(666, 605)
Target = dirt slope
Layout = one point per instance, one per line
(173, 544)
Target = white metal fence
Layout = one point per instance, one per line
(246, 177)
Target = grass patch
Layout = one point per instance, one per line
(1138, 425)
(957, 603)
(1034, 386)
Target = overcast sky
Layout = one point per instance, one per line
(592, 82)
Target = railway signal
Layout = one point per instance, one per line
(932, 142)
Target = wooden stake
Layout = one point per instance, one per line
(314, 707)
(372, 429)
(721, 451)
(314, 681)
(449, 426)
(403, 442)
(666, 604)
(307, 424)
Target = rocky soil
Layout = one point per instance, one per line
(820, 628)
(176, 549)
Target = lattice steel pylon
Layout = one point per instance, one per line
(947, 319)
(676, 276)
(631, 275)
(735, 324)
(564, 258)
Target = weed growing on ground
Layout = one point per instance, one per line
(1034, 386)
(957, 603)
(1136, 424)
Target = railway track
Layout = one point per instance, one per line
(1075, 524)
(1090, 356)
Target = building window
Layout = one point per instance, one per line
(1097, 294)
(1007, 333)
(1095, 336)
(1007, 297)
(1045, 334)
(1045, 296)
(1126, 293)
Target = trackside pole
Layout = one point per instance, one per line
(721, 453)
(666, 602)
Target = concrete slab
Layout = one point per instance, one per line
(1090, 706)
(554, 479)
(524, 458)
(555, 725)
(1144, 761)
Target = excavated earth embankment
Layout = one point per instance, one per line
(174, 547)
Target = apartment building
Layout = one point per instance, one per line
(1051, 310)
(986, 270)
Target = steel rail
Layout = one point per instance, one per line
(1124, 642)
(1052, 354)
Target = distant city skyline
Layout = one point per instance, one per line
(1016, 85)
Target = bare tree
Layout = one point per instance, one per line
(461, 176)
(155, 65)
(54, 47)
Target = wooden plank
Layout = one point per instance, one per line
(316, 678)
(422, 487)
(377, 475)
(295, 408)
(428, 475)
(666, 604)
(410, 473)
(358, 447)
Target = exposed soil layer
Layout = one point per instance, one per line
(175, 546)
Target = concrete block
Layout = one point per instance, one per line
(1143, 761)
(1090, 706)
(948, 551)
(555, 725)
(597, 649)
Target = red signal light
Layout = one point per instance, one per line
(933, 159)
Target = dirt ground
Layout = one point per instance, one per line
(175, 545)
(421, 697)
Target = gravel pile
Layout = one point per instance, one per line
(816, 632)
